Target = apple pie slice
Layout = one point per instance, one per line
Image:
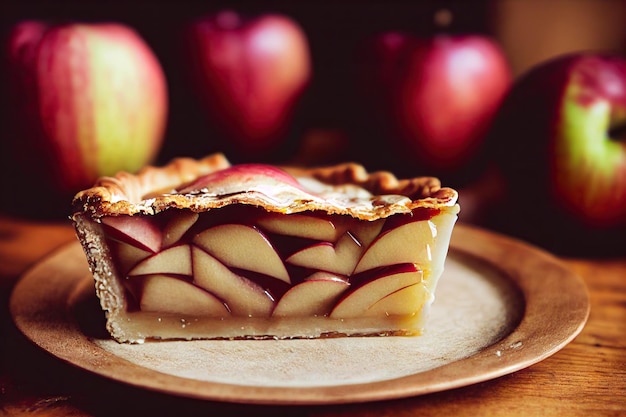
(200, 249)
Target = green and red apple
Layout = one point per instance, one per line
(436, 96)
(87, 100)
(250, 73)
(560, 141)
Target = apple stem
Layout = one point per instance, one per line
(443, 18)
(618, 132)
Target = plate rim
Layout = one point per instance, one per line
(508, 355)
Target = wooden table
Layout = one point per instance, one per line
(586, 378)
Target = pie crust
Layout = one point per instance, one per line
(345, 191)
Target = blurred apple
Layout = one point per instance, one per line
(87, 100)
(560, 142)
(437, 96)
(250, 74)
(562, 131)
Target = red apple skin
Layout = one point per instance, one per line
(243, 176)
(442, 94)
(565, 176)
(88, 100)
(250, 74)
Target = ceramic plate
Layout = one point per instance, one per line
(501, 306)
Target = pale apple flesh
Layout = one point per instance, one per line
(339, 258)
(173, 260)
(236, 267)
(315, 296)
(183, 298)
(175, 229)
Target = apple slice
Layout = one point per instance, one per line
(324, 256)
(125, 255)
(356, 303)
(164, 294)
(177, 226)
(315, 296)
(242, 247)
(366, 231)
(273, 287)
(444, 223)
(174, 260)
(407, 300)
(242, 296)
(322, 228)
(136, 230)
(410, 242)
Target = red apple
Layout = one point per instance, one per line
(250, 74)
(88, 100)
(561, 136)
(437, 95)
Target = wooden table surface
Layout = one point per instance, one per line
(586, 378)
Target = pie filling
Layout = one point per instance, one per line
(241, 270)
